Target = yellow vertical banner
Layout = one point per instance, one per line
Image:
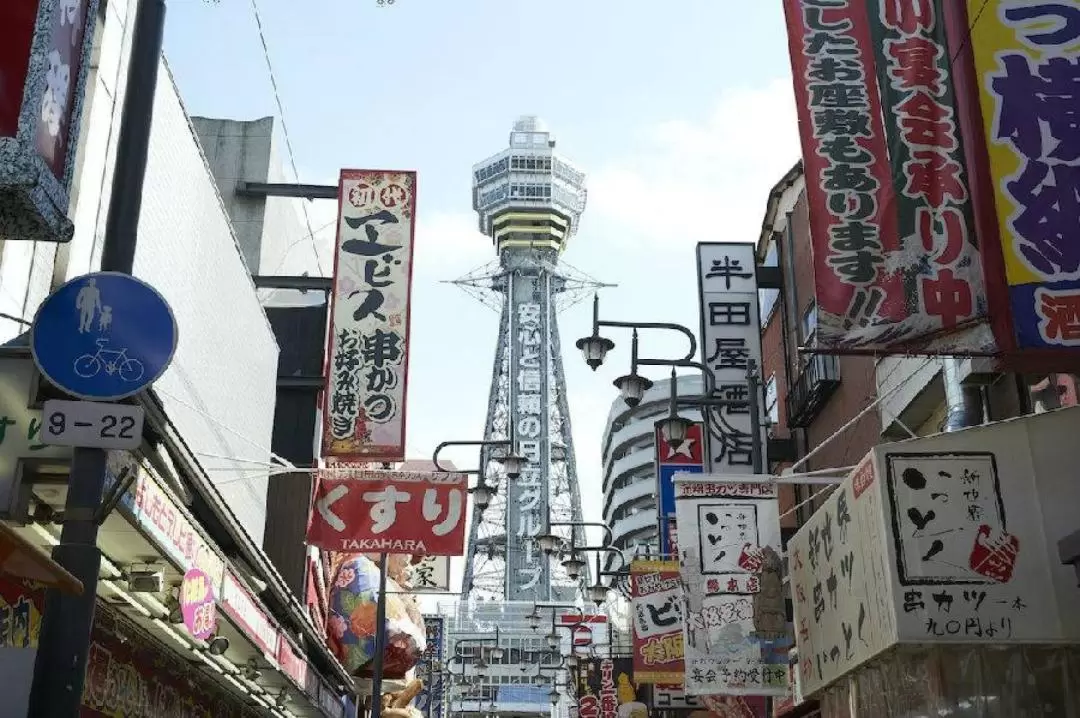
(1027, 63)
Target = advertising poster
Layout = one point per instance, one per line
(657, 613)
(606, 689)
(736, 638)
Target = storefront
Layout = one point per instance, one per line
(129, 673)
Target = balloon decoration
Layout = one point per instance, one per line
(354, 592)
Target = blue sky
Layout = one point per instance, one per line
(680, 113)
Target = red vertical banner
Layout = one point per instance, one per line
(656, 600)
(862, 302)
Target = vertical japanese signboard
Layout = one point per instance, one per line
(368, 353)
(402, 512)
(528, 571)
(736, 638)
(688, 458)
(1025, 58)
(605, 689)
(840, 583)
(430, 700)
(45, 50)
(730, 340)
(657, 608)
(894, 260)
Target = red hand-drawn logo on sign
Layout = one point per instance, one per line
(392, 195)
(362, 195)
(751, 558)
(390, 512)
(864, 478)
(994, 554)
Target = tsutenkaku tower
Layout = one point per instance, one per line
(529, 201)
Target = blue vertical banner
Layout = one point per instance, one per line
(688, 458)
(431, 700)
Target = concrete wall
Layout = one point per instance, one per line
(272, 231)
(219, 391)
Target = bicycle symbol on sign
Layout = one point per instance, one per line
(112, 361)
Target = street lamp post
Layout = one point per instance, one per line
(483, 492)
(632, 386)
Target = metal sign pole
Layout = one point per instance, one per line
(380, 641)
(64, 643)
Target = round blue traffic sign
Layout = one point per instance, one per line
(103, 336)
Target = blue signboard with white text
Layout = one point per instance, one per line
(103, 336)
(430, 701)
(688, 458)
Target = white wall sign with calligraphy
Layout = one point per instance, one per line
(730, 340)
(945, 539)
(430, 574)
(839, 582)
(736, 632)
(364, 416)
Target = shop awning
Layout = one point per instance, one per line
(22, 559)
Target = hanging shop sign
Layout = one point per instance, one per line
(1030, 157)
(948, 539)
(44, 64)
(942, 275)
(198, 605)
(606, 689)
(656, 603)
(241, 607)
(404, 512)
(292, 661)
(431, 699)
(895, 261)
(429, 574)
(736, 634)
(167, 524)
(367, 369)
(730, 344)
(688, 458)
(127, 676)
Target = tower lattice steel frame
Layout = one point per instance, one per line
(529, 201)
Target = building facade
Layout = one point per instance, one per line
(195, 501)
(629, 466)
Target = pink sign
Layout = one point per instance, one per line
(197, 604)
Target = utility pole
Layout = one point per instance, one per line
(64, 642)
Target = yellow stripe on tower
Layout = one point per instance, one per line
(539, 228)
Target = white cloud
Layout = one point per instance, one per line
(701, 180)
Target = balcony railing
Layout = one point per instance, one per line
(816, 383)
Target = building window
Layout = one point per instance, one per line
(809, 324)
(767, 297)
(772, 406)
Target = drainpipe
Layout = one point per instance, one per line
(964, 403)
